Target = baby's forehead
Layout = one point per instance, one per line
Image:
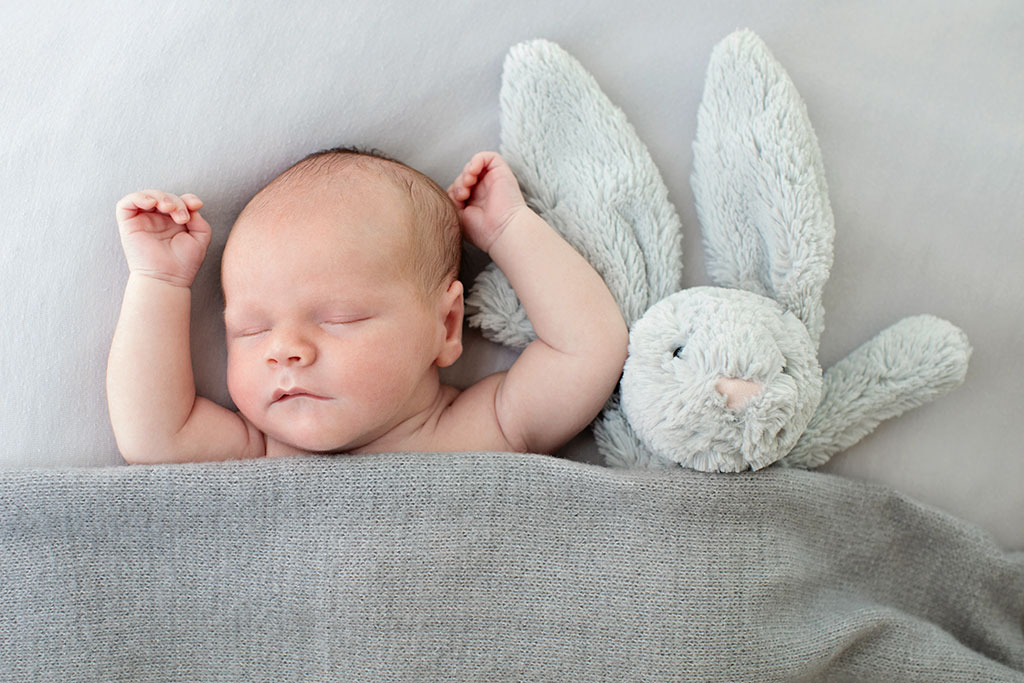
(313, 226)
(376, 201)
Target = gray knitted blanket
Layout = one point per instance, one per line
(419, 567)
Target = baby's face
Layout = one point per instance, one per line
(330, 343)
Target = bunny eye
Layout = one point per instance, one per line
(678, 352)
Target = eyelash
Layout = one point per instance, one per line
(257, 332)
(342, 322)
(251, 333)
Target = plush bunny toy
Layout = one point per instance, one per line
(722, 378)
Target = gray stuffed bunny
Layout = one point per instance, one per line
(722, 378)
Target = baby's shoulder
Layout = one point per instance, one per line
(468, 420)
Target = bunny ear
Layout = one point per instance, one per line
(582, 167)
(759, 182)
(906, 365)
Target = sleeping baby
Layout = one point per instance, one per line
(341, 303)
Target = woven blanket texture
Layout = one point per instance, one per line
(484, 566)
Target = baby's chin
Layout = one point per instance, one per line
(329, 432)
(286, 444)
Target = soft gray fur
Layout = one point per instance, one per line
(637, 248)
(762, 201)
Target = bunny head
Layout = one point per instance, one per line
(720, 379)
(725, 377)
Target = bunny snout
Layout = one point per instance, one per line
(738, 392)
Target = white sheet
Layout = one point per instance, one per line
(917, 106)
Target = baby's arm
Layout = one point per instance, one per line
(562, 379)
(151, 394)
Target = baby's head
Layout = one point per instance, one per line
(426, 243)
(341, 300)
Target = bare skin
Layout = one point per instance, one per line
(333, 348)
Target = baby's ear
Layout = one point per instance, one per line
(450, 312)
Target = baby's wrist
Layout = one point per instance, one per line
(522, 216)
(159, 279)
(521, 228)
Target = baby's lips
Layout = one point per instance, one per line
(281, 393)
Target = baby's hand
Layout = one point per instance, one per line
(163, 235)
(488, 198)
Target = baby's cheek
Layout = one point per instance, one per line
(380, 376)
(241, 387)
(372, 383)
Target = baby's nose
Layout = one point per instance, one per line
(291, 350)
(288, 360)
(737, 391)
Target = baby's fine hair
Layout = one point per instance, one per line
(436, 235)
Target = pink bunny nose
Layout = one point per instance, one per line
(737, 391)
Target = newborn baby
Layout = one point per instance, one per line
(341, 303)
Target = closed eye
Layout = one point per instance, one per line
(251, 332)
(345, 321)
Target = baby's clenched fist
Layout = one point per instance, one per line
(487, 198)
(163, 235)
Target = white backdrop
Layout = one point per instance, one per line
(918, 108)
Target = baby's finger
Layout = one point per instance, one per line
(199, 228)
(130, 205)
(192, 202)
(459, 204)
(477, 163)
(480, 162)
(458, 190)
(173, 206)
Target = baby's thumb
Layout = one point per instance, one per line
(199, 228)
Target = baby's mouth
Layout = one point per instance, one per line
(285, 395)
